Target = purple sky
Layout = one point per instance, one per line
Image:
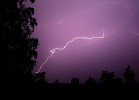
(59, 21)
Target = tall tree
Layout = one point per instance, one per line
(129, 75)
(18, 46)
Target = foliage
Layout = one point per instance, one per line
(18, 47)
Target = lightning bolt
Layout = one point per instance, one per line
(53, 51)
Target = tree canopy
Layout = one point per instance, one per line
(18, 46)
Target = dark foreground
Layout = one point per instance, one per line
(73, 91)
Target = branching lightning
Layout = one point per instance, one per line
(53, 51)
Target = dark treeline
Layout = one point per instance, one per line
(18, 58)
(108, 86)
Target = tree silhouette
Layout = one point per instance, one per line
(18, 47)
(91, 82)
(75, 81)
(129, 75)
(107, 77)
(56, 81)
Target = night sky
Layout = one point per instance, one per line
(59, 21)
